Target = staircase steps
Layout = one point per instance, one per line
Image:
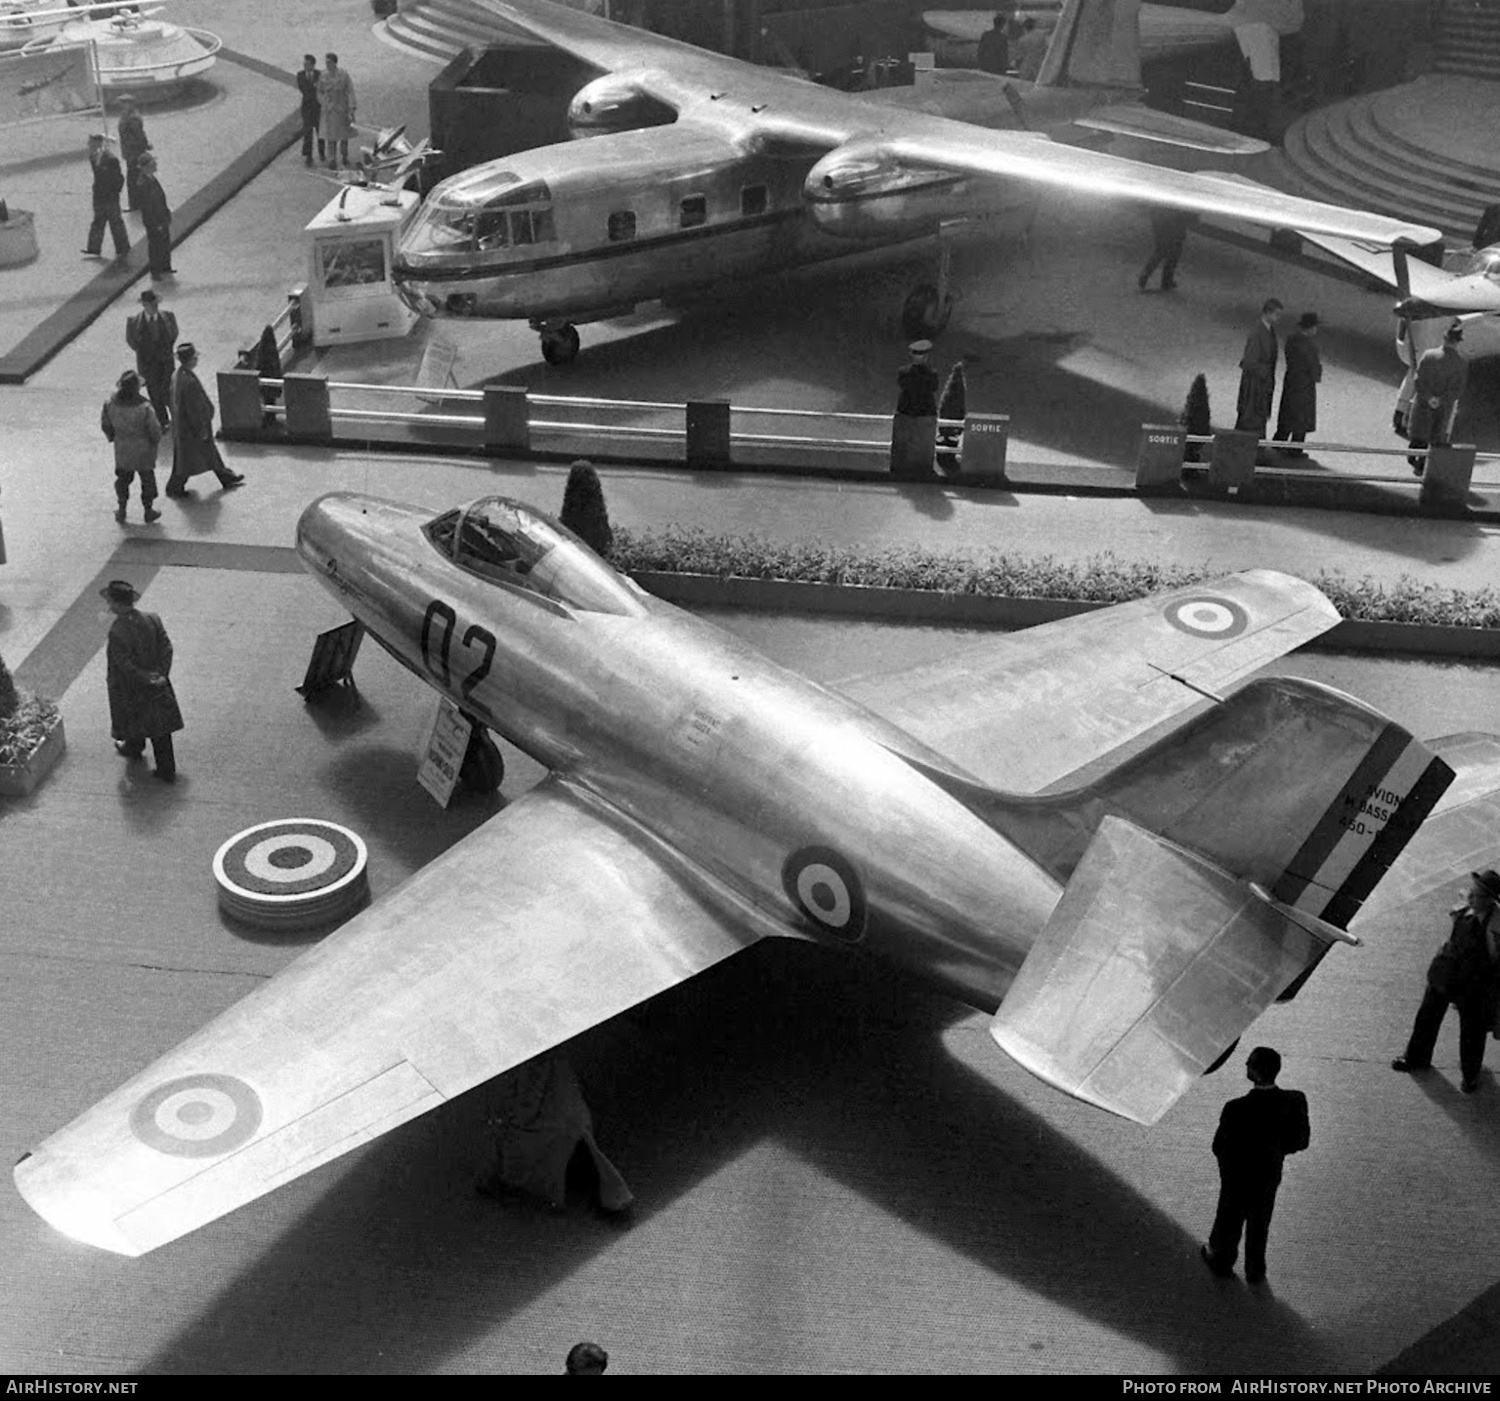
(1468, 39)
(1351, 154)
(438, 29)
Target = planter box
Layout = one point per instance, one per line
(17, 780)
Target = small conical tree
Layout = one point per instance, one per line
(9, 699)
(583, 509)
(1195, 416)
(953, 405)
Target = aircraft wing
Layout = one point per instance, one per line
(550, 918)
(1445, 292)
(778, 111)
(1022, 711)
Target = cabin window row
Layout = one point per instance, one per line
(692, 211)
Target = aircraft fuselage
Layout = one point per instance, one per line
(793, 799)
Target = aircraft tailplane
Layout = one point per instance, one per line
(1096, 44)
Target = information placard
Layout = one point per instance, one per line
(444, 757)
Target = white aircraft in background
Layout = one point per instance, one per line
(977, 821)
(701, 170)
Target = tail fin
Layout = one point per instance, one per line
(1096, 44)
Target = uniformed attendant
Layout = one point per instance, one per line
(1466, 974)
(142, 703)
(914, 428)
(1256, 1132)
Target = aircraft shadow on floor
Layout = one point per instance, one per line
(398, 1265)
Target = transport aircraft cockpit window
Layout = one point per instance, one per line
(499, 540)
(694, 211)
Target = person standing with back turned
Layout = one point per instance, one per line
(1256, 1132)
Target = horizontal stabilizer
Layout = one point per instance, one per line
(1152, 963)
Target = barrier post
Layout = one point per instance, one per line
(507, 417)
(982, 448)
(1445, 481)
(308, 416)
(913, 447)
(1159, 458)
(240, 407)
(1231, 464)
(708, 433)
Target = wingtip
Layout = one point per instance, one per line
(74, 1213)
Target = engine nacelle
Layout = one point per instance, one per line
(860, 191)
(616, 102)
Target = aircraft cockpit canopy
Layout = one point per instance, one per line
(1487, 264)
(479, 215)
(507, 543)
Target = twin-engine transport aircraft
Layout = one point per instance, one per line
(702, 798)
(702, 170)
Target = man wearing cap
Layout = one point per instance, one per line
(152, 333)
(1298, 415)
(914, 428)
(142, 704)
(129, 422)
(157, 217)
(193, 446)
(1466, 973)
(1256, 1133)
(108, 182)
(1442, 375)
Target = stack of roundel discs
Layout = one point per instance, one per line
(292, 874)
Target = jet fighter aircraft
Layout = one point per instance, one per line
(973, 821)
(700, 170)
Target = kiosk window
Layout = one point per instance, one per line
(354, 263)
(753, 199)
(693, 211)
(622, 226)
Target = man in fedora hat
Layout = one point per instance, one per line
(1442, 374)
(142, 704)
(1465, 973)
(193, 446)
(156, 215)
(152, 334)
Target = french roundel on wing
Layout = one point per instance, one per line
(197, 1116)
(1207, 615)
(827, 890)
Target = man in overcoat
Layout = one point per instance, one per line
(1466, 974)
(1298, 415)
(142, 704)
(108, 182)
(1258, 372)
(193, 446)
(336, 97)
(1442, 375)
(156, 214)
(130, 423)
(152, 334)
(133, 145)
(1256, 1132)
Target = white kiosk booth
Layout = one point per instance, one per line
(350, 245)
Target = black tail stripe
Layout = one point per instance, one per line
(1378, 760)
(1402, 827)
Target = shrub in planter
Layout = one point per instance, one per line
(953, 405)
(583, 509)
(1195, 417)
(30, 736)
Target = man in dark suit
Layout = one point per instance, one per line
(1466, 973)
(152, 334)
(1256, 1132)
(156, 214)
(1258, 372)
(109, 180)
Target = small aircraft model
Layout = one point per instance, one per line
(974, 821)
(700, 170)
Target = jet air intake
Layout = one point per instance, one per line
(860, 191)
(616, 102)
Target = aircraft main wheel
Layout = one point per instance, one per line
(560, 347)
(483, 770)
(1228, 1051)
(925, 312)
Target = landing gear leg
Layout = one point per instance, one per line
(560, 344)
(482, 770)
(929, 304)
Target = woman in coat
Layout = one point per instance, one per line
(1298, 415)
(336, 96)
(130, 423)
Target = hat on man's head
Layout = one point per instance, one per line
(97, 138)
(186, 349)
(920, 347)
(146, 162)
(1455, 331)
(128, 381)
(119, 591)
(1489, 880)
(1307, 320)
(149, 295)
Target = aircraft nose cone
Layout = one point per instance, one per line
(327, 527)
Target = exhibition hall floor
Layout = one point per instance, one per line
(835, 1169)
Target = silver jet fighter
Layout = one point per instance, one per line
(974, 821)
(700, 170)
